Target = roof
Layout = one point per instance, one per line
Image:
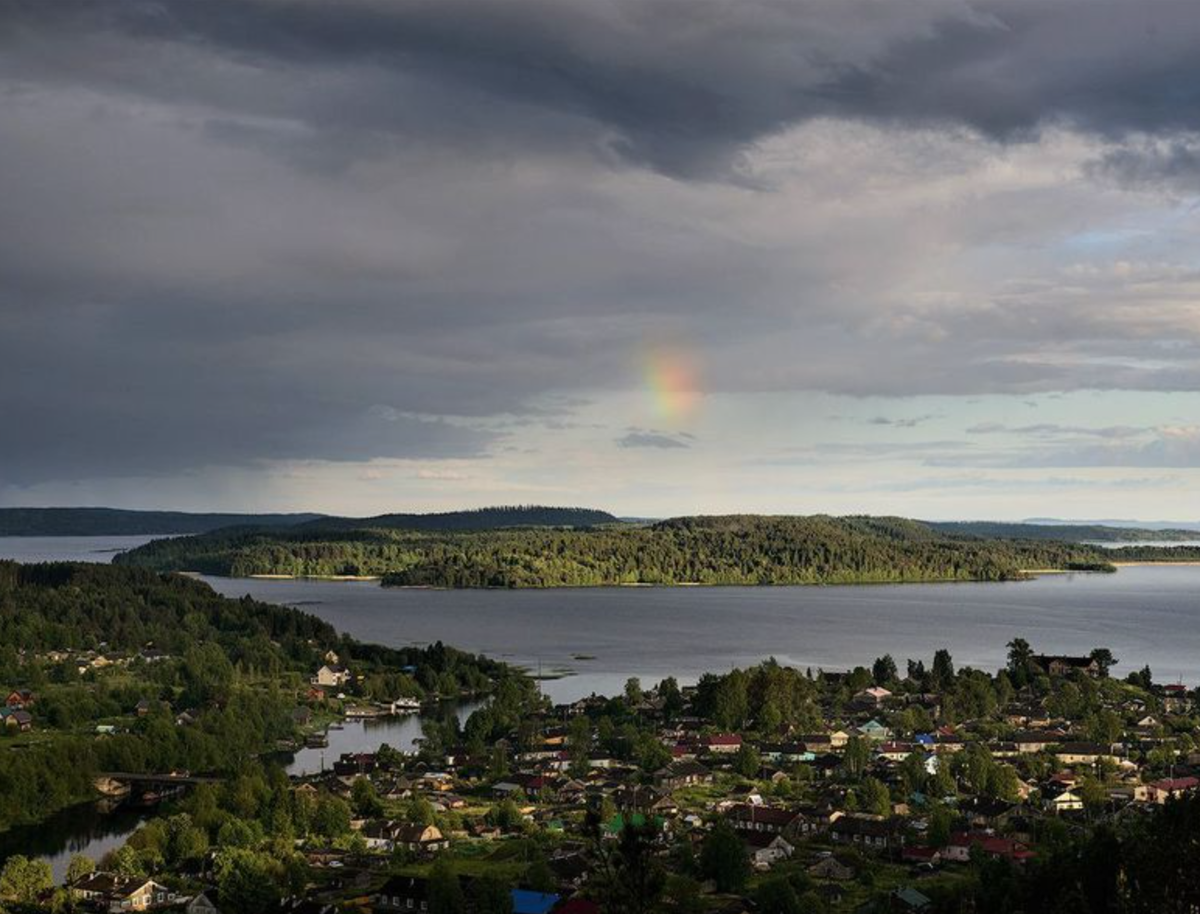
(1171, 784)
(525, 901)
(723, 739)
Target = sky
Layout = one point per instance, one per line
(919, 257)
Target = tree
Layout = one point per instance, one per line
(365, 799)
(776, 896)
(875, 798)
(629, 875)
(1020, 657)
(884, 670)
(1104, 660)
(633, 691)
(445, 891)
(940, 821)
(943, 669)
(23, 879)
(331, 817)
(491, 895)
(747, 761)
(248, 881)
(723, 858)
(856, 757)
(79, 867)
(672, 698)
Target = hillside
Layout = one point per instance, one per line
(118, 522)
(1063, 532)
(737, 549)
(478, 519)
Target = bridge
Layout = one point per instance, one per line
(170, 778)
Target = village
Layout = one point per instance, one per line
(765, 789)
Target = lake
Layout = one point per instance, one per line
(1146, 615)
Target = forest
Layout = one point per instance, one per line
(240, 664)
(736, 549)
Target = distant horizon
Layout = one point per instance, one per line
(624, 516)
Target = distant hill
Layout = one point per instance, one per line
(1156, 525)
(477, 519)
(118, 522)
(1061, 532)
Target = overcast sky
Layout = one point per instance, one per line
(924, 257)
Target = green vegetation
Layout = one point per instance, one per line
(240, 665)
(117, 522)
(1067, 533)
(737, 549)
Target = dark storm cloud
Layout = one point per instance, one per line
(239, 231)
(682, 87)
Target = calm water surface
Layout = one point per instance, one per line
(1146, 615)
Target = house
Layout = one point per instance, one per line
(768, 819)
(420, 838)
(201, 904)
(16, 719)
(1058, 665)
(682, 774)
(331, 676)
(868, 831)
(872, 697)
(402, 893)
(642, 798)
(1083, 753)
(109, 891)
(20, 698)
(722, 743)
(832, 868)
(909, 899)
(143, 707)
(1170, 788)
(875, 731)
(786, 753)
(920, 854)
(766, 849)
(895, 752)
(962, 844)
(1062, 799)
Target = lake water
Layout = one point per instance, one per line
(1146, 615)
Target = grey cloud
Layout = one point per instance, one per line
(1050, 429)
(234, 227)
(641, 438)
(909, 422)
(629, 79)
(1170, 448)
(1169, 164)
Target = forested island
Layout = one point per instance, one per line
(732, 550)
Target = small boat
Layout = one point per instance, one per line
(316, 741)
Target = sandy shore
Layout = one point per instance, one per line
(314, 577)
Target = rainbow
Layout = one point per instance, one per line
(673, 382)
